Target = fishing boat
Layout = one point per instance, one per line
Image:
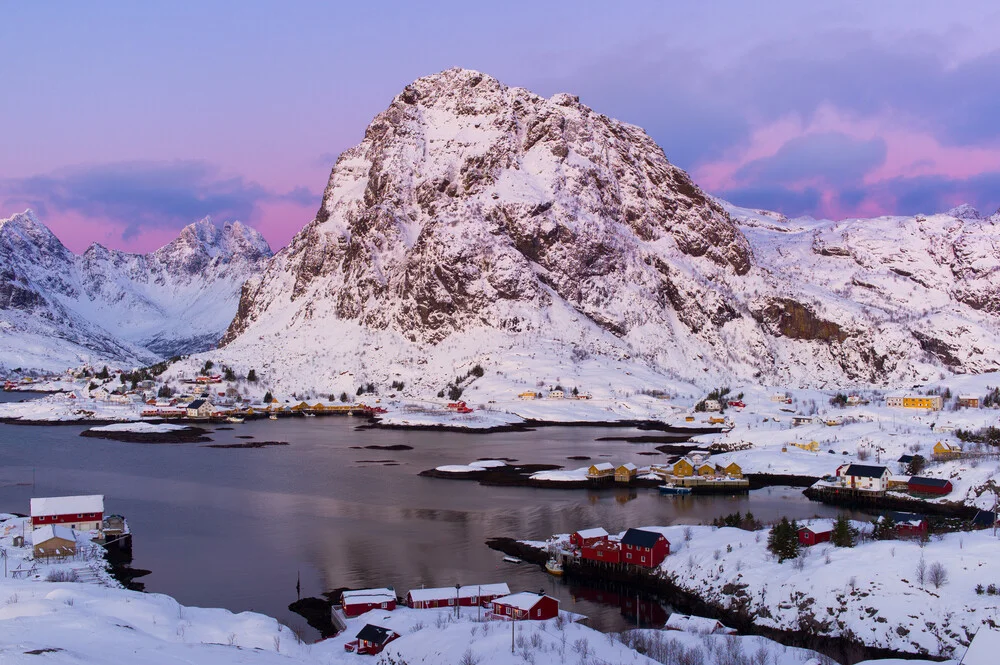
(511, 559)
(309, 415)
(554, 567)
(674, 490)
(273, 416)
(234, 419)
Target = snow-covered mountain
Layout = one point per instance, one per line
(58, 309)
(477, 223)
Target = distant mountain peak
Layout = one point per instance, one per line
(964, 211)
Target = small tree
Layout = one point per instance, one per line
(252, 376)
(937, 574)
(844, 535)
(916, 465)
(454, 392)
(229, 374)
(343, 397)
(783, 541)
(884, 528)
(103, 374)
(268, 397)
(165, 391)
(477, 371)
(921, 571)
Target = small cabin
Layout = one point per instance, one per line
(371, 639)
(705, 469)
(586, 537)
(946, 450)
(798, 421)
(712, 405)
(698, 625)
(813, 534)
(557, 394)
(53, 540)
(528, 394)
(602, 551)
(526, 606)
(732, 470)
(683, 468)
(626, 473)
(600, 471)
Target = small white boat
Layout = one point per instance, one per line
(309, 415)
(273, 416)
(554, 567)
(234, 419)
(511, 559)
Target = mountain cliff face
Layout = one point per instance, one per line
(58, 309)
(479, 221)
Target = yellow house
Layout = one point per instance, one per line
(943, 449)
(528, 394)
(683, 468)
(705, 469)
(602, 470)
(301, 406)
(932, 402)
(716, 420)
(626, 472)
(812, 446)
(689, 419)
(732, 469)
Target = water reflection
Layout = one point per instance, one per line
(236, 528)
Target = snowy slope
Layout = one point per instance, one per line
(477, 223)
(58, 309)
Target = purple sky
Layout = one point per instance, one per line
(123, 121)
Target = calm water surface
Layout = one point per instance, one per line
(233, 528)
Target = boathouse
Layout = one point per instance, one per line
(732, 470)
(526, 606)
(53, 540)
(83, 513)
(601, 471)
(602, 551)
(371, 640)
(683, 468)
(200, 408)
(466, 596)
(586, 537)
(814, 534)
(626, 472)
(921, 485)
(642, 548)
(355, 603)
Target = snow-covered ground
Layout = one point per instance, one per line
(480, 465)
(62, 407)
(140, 428)
(872, 590)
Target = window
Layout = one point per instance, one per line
(451, 601)
(384, 605)
(643, 559)
(628, 556)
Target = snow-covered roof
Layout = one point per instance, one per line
(865, 471)
(693, 624)
(968, 397)
(521, 601)
(984, 647)
(50, 531)
(629, 466)
(604, 466)
(596, 532)
(818, 528)
(469, 591)
(367, 596)
(67, 505)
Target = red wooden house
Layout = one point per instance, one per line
(371, 640)
(909, 525)
(814, 534)
(467, 596)
(922, 485)
(83, 513)
(526, 605)
(355, 603)
(602, 550)
(642, 548)
(588, 537)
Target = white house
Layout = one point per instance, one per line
(864, 477)
(200, 408)
(557, 394)
(712, 405)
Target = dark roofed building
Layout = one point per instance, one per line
(372, 639)
(644, 548)
(865, 477)
(923, 485)
(905, 459)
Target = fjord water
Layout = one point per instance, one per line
(236, 528)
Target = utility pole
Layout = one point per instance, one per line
(513, 620)
(458, 599)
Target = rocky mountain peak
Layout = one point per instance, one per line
(964, 211)
(204, 241)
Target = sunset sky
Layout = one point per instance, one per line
(124, 121)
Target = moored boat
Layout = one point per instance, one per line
(234, 419)
(674, 490)
(273, 416)
(511, 559)
(554, 567)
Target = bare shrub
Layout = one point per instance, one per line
(922, 571)
(937, 574)
(62, 576)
